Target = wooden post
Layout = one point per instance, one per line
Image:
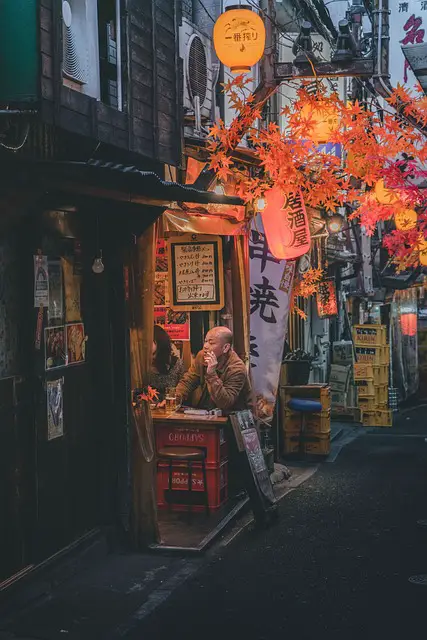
(240, 285)
(141, 299)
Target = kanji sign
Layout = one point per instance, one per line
(406, 28)
(286, 224)
(327, 299)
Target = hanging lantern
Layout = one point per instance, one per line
(406, 219)
(324, 119)
(384, 195)
(408, 324)
(334, 223)
(422, 246)
(239, 39)
(326, 298)
(286, 224)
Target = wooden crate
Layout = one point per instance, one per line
(313, 422)
(318, 392)
(370, 334)
(316, 445)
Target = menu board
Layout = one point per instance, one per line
(196, 273)
(258, 483)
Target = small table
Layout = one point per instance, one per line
(175, 429)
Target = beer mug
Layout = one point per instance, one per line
(170, 398)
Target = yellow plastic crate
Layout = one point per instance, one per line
(372, 355)
(367, 403)
(363, 371)
(365, 387)
(381, 373)
(318, 392)
(310, 444)
(381, 394)
(370, 334)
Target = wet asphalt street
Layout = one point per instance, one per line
(335, 566)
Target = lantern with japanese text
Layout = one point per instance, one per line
(408, 324)
(286, 224)
(406, 219)
(239, 39)
(324, 120)
(326, 298)
(384, 195)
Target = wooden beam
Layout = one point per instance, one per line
(363, 67)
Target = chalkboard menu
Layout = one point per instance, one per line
(196, 273)
(257, 477)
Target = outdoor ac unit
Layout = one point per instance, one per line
(75, 38)
(196, 52)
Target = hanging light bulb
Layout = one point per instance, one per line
(260, 204)
(219, 189)
(335, 223)
(98, 265)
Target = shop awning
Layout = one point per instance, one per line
(114, 181)
(416, 55)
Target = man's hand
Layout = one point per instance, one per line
(210, 361)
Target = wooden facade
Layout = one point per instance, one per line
(149, 124)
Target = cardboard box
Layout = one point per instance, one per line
(342, 352)
(338, 399)
(339, 377)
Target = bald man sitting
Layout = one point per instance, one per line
(218, 377)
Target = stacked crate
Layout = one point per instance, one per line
(316, 438)
(371, 373)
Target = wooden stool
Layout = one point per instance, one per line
(189, 455)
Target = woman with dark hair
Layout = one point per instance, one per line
(166, 369)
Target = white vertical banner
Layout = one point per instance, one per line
(408, 23)
(270, 295)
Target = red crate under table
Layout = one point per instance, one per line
(181, 498)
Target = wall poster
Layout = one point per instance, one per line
(72, 292)
(55, 408)
(41, 281)
(76, 343)
(175, 323)
(196, 273)
(55, 347)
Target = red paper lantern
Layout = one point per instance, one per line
(286, 224)
(326, 297)
(408, 323)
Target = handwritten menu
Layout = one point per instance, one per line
(196, 277)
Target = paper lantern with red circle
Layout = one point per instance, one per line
(285, 222)
(239, 39)
(408, 324)
(406, 219)
(384, 195)
(324, 121)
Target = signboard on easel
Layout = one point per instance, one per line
(257, 477)
(196, 273)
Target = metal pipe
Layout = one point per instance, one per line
(119, 55)
(18, 112)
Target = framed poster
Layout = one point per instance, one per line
(76, 343)
(196, 273)
(54, 344)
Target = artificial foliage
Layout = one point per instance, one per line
(378, 142)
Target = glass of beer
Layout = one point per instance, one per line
(171, 399)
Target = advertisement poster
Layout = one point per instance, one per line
(407, 27)
(54, 344)
(161, 289)
(175, 323)
(72, 292)
(76, 343)
(270, 296)
(41, 282)
(55, 413)
(56, 298)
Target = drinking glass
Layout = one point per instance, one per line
(171, 399)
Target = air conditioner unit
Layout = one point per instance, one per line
(80, 49)
(74, 38)
(199, 75)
